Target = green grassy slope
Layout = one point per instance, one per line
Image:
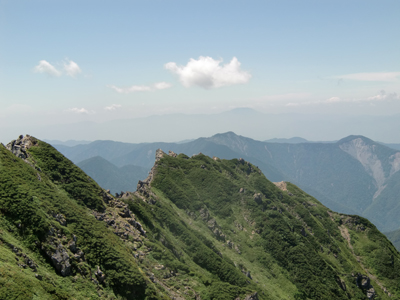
(201, 229)
(286, 239)
(45, 206)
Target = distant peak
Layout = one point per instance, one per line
(243, 111)
(228, 133)
(354, 137)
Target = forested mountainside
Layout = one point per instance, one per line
(196, 228)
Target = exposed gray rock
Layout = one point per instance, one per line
(72, 245)
(19, 146)
(60, 218)
(172, 153)
(107, 198)
(159, 154)
(100, 275)
(60, 259)
(204, 214)
(364, 283)
(126, 213)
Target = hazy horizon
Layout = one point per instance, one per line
(69, 69)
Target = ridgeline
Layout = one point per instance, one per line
(196, 228)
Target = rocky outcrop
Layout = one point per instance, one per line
(171, 153)
(159, 154)
(143, 187)
(374, 165)
(100, 275)
(22, 260)
(19, 146)
(363, 282)
(57, 252)
(118, 216)
(60, 260)
(60, 218)
(281, 185)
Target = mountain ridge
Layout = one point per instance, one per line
(196, 228)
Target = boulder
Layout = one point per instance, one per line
(60, 260)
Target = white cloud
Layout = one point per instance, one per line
(376, 76)
(71, 68)
(333, 100)
(113, 107)
(140, 88)
(207, 72)
(382, 96)
(80, 111)
(162, 85)
(46, 67)
(130, 89)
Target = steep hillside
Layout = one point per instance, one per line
(353, 175)
(196, 228)
(350, 174)
(264, 229)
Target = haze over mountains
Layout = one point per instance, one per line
(243, 121)
(353, 175)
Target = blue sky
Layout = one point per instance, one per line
(72, 61)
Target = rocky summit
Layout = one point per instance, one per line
(195, 228)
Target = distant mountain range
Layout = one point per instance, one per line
(108, 175)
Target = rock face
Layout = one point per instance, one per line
(19, 146)
(366, 154)
(60, 260)
(364, 283)
(100, 275)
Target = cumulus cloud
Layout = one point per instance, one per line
(71, 68)
(382, 96)
(332, 100)
(140, 88)
(130, 89)
(80, 110)
(207, 72)
(375, 76)
(162, 85)
(45, 67)
(113, 107)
